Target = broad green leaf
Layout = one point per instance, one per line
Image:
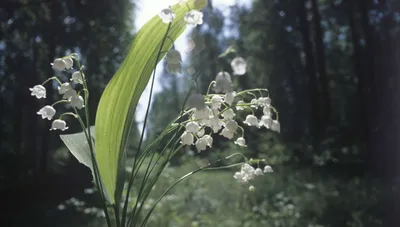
(79, 148)
(119, 100)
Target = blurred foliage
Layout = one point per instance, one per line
(35, 175)
(330, 67)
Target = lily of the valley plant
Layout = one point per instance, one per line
(103, 148)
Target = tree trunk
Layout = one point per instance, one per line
(324, 101)
(310, 74)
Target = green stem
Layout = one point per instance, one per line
(91, 147)
(95, 169)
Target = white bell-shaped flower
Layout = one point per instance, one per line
(228, 114)
(47, 112)
(182, 2)
(64, 88)
(192, 127)
(167, 15)
(239, 66)
(202, 114)
(193, 17)
(230, 97)
(68, 63)
(268, 169)
(258, 172)
(59, 124)
(231, 125)
(209, 140)
(174, 68)
(267, 110)
(241, 142)
(266, 121)
(39, 91)
(69, 94)
(252, 120)
(59, 64)
(201, 132)
(276, 126)
(77, 77)
(196, 101)
(223, 82)
(187, 138)
(264, 101)
(227, 133)
(239, 105)
(216, 102)
(77, 102)
(215, 124)
(201, 144)
(173, 57)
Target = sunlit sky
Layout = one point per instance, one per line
(145, 10)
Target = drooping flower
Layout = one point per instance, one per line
(77, 102)
(202, 114)
(187, 138)
(77, 77)
(69, 94)
(201, 132)
(59, 124)
(266, 121)
(239, 65)
(223, 83)
(268, 169)
(239, 105)
(201, 144)
(216, 102)
(174, 68)
(264, 101)
(251, 120)
(47, 112)
(230, 97)
(258, 172)
(59, 64)
(227, 133)
(193, 17)
(267, 110)
(68, 63)
(63, 88)
(167, 15)
(228, 114)
(209, 140)
(196, 101)
(214, 123)
(241, 142)
(39, 91)
(276, 126)
(173, 57)
(192, 127)
(231, 125)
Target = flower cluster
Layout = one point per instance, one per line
(69, 94)
(216, 113)
(248, 173)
